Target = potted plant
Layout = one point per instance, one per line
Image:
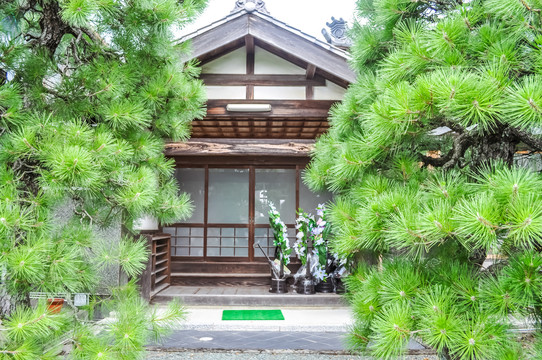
(54, 305)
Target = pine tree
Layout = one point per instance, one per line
(434, 159)
(89, 90)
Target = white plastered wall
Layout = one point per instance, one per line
(329, 92)
(279, 93)
(267, 63)
(232, 63)
(226, 92)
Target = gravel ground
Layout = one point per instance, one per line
(264, 355)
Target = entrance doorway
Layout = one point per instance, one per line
(231, 205)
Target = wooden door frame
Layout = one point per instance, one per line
(237, 162)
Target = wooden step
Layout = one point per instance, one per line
(220, 279)
(159, 288)
(214, 267)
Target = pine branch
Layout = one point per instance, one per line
(461, 144)
(529, 139)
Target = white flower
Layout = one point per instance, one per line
(319, 241)
(319, 273)
(277, 220)
(320, 210)
(300, 235)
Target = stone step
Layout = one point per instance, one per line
(245, 296)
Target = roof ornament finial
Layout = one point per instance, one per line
(250, 6)
(338, 33)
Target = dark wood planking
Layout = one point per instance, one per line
(265, 135)
(216, 109)
(186, 265)
(235, 141)
(220, 279)
(233, 159)
(261, 80)
(206, 45)
(308, 125)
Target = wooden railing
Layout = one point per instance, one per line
(157, 276)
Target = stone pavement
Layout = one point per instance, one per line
(255, 340)
(265, 355)
(295, 319)
(311, 332)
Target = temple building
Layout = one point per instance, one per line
(270, 87)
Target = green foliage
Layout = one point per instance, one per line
(89, 92)
(423, 156)
(133, 325)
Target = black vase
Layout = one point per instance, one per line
(324, 286)
(339, 286)
(278, 286)
(305, 287)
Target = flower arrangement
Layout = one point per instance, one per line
(304, 225)
(320, 232)
(281, 235)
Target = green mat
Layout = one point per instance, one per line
(252, 315)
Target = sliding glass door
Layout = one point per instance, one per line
(231, 207)
(228, 213)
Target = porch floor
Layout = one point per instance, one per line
(245, 296)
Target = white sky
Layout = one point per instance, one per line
(309, 16)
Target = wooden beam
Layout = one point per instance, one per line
(202, 148)
(309, 92)
(249, 41)
(289, 109)
(311, 70)
(261, 80)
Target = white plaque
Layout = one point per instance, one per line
(80, 299)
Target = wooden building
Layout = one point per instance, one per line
(270, 87)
